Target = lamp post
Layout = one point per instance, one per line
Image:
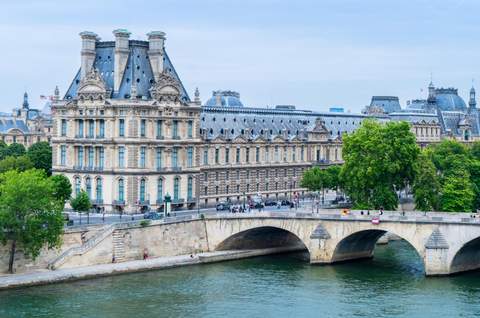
(167, 206)
(244, 200)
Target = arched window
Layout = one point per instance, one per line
(190, 188)
(121, 190)
(99, 190)
(176, 188)
(160, 190)
(77, 185)
(142, 190)
(88, 187)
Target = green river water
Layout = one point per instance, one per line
(390, 285)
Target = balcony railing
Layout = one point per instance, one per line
(97, 201)
(143, 202)
(119, 202)
(160, 137)
(178, 201)
(159, 201)
(176, 169)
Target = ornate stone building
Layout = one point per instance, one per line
(127, 133)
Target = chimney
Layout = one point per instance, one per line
(121, 56)
(156, 41)
(88, 52)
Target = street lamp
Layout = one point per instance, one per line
(244, 200)
(167, 206)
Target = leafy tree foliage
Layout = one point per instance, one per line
(20, 163)
(30, 216)
(62, 189)
(379, 160)
(457, 192)
(426, 187)
(13, 150)
(317, 179)
(81, 203)
(40, 154)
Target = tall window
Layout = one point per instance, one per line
(175, 129)
(285, 153)
(257, 154)
(90, 157)
(302, 153)
(80, 128)
(143, 123)
(160, 190)
(227, 155)
(99, 190)
(101, 157)
(190, 157)
(205, 156)
(159, 129)
(63, 155)
(294, 153)
(91, 128)
(64, 127)
(121, 157)
(217, 155)
(176, 189)
(80, 157)
(77, 185)
(158, 158)
(88, 187)
(101, 132)
(237, 156)
(190, 129)
(121, 190)
(142, 190)
(277, 156)
(267, 153)
(190, 188)
(143, 151)
(122, 127)
(175, 157)
(247, 155)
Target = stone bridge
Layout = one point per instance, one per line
(446, 243)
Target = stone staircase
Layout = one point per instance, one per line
(118, 246)
(102, 234)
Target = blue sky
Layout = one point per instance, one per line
(313, 54)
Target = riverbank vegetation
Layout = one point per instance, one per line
(381, 161)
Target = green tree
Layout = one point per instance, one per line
(14, 150)
(379, 160)
(21, 163)
(457, 192)
(475, 150)
(30, 216)
(316, 179)
(426, 187)
(62, 188)
(40, 154)
(81, 203)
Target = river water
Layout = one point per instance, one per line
(390, 285)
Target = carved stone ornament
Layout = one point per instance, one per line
(166, 89)
(92, 87)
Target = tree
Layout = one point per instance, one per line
(379, 161)
(14, 150)
(21, 163)
(40, 154)
(315, 179)
(81, 203)
(62, 189)
(30, 216)
(457, 192)
(426, 187)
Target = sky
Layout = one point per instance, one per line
(312, 54)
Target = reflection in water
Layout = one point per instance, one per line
(390, 285)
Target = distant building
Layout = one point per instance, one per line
(25, 125)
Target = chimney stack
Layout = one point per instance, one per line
(121, 56)
(156, 41)
(88, 52)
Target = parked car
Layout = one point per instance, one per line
(286, 202)
(152, 216)
(270, 202)
(258, 205)
(223, 206)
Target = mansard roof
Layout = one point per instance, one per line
(138, 71)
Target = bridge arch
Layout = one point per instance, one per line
(361, 244)
(467, 257)
(262, 237)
